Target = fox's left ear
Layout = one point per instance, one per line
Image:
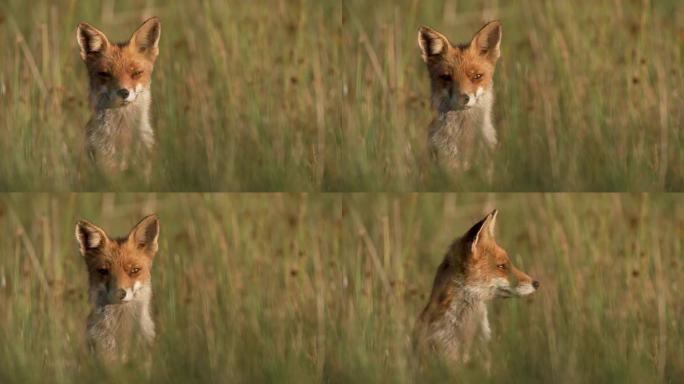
(144, 235)
(145, 39)
(482, 231)
(487, 41)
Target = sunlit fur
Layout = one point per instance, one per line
(119, 275)
(474, 270)
(461, 80)
(119, 133)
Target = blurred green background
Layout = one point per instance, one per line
(326, 288)
(276, 95)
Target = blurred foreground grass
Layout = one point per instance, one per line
(275, 95)
(299, 288)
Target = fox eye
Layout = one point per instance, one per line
(501, 266)
(445, 77)
(103, 271)
(104, 75)
(477, 76)
(135, 270)
(136, 74)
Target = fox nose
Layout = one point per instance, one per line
(123, 93)
(465, 98)
(121, 294)
(535, 284)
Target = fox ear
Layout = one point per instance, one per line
(89, 236)
(145, 234)
(487, 41)
(431, 42)
(145, 39)
(91, 40)
(482, 231)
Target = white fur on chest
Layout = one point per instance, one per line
(452, 133)
(113, 135)
(465, 320)
(113, 329)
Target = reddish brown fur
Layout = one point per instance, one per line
(121, 261)
(461, 80)
(489, 260)
(474, 269)
(121, 258)
(120, 286)
(124, 66)
(120, 65)
(119, 133)
(461, 65)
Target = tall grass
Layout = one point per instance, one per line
(242, 94)
(299, 288)
(332, 95)
(587, 95)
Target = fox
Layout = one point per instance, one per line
(120, 287)
(462, 82)
(119, 132)
(474, 270)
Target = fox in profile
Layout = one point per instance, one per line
(119, 275)
(120, 74)
(475, 269)
(461, 79)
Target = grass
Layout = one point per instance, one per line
(332, 95)
(326, 288)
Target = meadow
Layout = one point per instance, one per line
(275, 95)
(300, 288)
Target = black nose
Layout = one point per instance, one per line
(121, 293)
(535, 284)
(466, 98)
(123, 93)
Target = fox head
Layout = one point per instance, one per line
(461, 76)
(487, 269)
(119, 268)
(480, 266)
(120, 73)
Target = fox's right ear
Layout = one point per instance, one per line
(89, 236)
(91, 40)
(431, 42)
(483, 230)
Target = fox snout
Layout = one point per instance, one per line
(517, 284)
(119, 295)
(127, 95)
(456, 99)
(118, 96)
(465, 100)
(123, 93)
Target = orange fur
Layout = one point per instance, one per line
(474, 270)
(120, 75)
(461, 81)
(119, 274)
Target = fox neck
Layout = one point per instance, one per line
(119, 136)
(453, 331)
(113, 328)
(468, 302)
(453, 134)
(134, 114)
(453, 120)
